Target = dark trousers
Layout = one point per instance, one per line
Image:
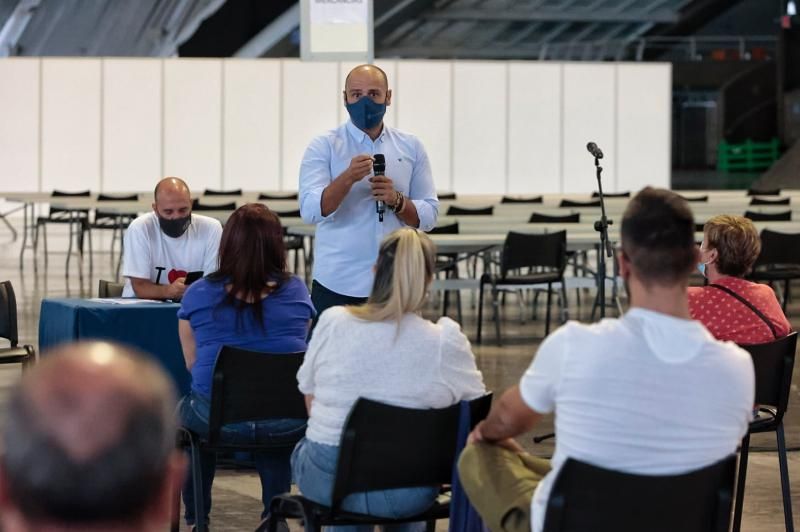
(323, 299)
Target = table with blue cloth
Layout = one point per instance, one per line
(149, 327)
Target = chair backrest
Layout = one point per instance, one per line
(384, 446)
(448, 229)
(59, 213)
(573, 203)
(118, 197)
(66, 194)
(250, 386)
(778, 248)
(232, 192)
(197, 206)
(784, 216)
(586, 497)
(699, 228)
(695, 199)
(446, 196)
(773, 363)
(8, 313)
(764, 192)
(626, 194)
(521, 250)
(287, 196)
(538, 218)
(454, 210)
(511, 199)
(109, 288)
(288, 214)
(765, 201)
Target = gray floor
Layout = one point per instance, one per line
(237, 493)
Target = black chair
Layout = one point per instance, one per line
(447, 263)
(76, 219)
(546, 251)
(446, 196)
(231, 192)
(455, 210)
(511, 199)
(287, 196)
(574, 203)
(384, 447)
(764, 192)
(538, 218)
(197, 206)
(779, 260)
(246, 386)
(765, 201)
(784, 216)
(294, 243)
(627, 194)
(109, 288)
(695, 199)
(585, 497)
(14, 353)
(773, 363)
(114, 221)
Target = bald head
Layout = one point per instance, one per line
(89, 433)
(371, 72)
(172, 185)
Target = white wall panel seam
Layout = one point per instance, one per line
(507, 141)
(40, 121)
(101, 115)
(452, 177)
(563, 129)
(222, 129)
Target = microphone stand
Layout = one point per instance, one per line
(604, 250)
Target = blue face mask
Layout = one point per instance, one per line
(365, 113)
(702, 268)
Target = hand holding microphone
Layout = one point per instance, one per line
(382, 186)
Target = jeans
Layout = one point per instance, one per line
(314, 467)
(273, 465)
(324, 298)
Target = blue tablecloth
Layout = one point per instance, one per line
(149, 327)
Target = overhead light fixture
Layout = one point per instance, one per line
(791, 8)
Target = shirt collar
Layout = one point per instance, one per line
(359, 136)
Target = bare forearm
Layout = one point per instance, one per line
(145, 289)
(409, 214)
(509, 417)
(334, 194)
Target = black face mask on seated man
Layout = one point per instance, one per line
(174, 227)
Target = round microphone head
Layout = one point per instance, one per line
(378, 163)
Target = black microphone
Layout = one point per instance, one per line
(594, 150)
(378, 168)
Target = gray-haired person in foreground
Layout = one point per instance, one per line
(88, 444)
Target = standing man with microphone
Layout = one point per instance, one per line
(358, 183)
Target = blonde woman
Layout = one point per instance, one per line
(385, 351)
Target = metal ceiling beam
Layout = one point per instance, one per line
(662, 16)
(12, 30)
(272, 34)
(182, 23)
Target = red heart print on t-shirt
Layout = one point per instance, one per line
(175, 274)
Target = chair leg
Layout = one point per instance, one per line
(46, 253)
(549, 299)
(496, 306)
(458, 307)
(480, 307)
(197, 488)
(740, 481)
(785, 487)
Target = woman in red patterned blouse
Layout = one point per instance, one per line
(730, 247)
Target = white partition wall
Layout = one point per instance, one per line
(644, 137)
(424, 105)
(19, 125)
(251, 127)
(535, 112)
(193, 121)
(132, 124)
(488, 127)
(70, 124)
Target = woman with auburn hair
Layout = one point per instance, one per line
(731, 307)
(250, 302)
(384, 351)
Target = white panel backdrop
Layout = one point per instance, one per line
(488, 127)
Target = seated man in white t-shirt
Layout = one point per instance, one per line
(163, 246)
(650, 393)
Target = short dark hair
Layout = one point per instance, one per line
(658, 236)
(116, 484)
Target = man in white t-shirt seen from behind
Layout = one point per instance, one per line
(650, 393)
(163, 246)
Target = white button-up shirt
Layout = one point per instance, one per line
(347, 240)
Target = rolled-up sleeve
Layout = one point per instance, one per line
(422, 190)
(315, 175)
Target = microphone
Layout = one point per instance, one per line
(594, 150)
(378, 168)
